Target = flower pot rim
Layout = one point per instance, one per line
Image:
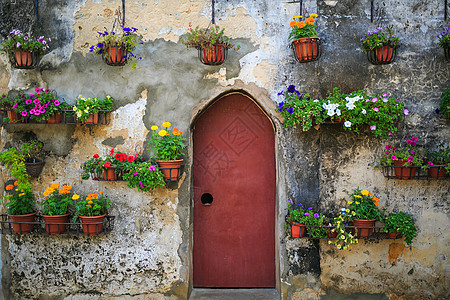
(176, 160)
(91, 217)
(370, 220)
(26, 215)
(50, 216)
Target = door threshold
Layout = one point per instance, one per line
(234, 294)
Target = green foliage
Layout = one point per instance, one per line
(410, 154)
(6, 101)
(92, 205)
(17, 40)
(364, 206)
(18, 201)
(444, 38)
(314, 223)
(379, 37)
(88, 106)
(207, 38)
(378, 113)
(403, 223)
(144, 176)
(441, 156)
(302, 28)
(95, 165)
(15, 162)
(166, 144)
(344, 237)
(445, 102)
(31, 149)
(57, 201)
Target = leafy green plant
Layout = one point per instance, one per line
(88, 106)
(207, 38)
(144, 176)
(18, 40)
(18, 201)
(96, 164)
(91, 205)
(31, 150)
(57, 200)
(14, 160)
(403, 223)
(381, 36)
(166, 144)
(444, 108)
(314, 223)
(409, 154)
(439, 157)
(303, 28)
(364, 206)
(444, 38)
(6, 101)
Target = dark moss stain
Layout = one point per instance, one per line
(114, 142)
(307, 260)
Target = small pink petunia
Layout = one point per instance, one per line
(430, 163)
(24, 113)
(406, 112)
(57, 103)
(14, 106)
(373, 127)
(367, 100)
(28, 101)
(387, 152)
(140, 184)
(376, 109)
(410, 158)
(47, 90)
(412, 152)
(384, 95)
(374, 100)
(32, 111)
(36, 101)
(385, 100)
(152, 168)
(37, 90)
(393, 157)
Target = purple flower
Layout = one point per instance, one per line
(291, 88)
(406, 112)
(280, 93)
(374, 100)
(280, 106)
(316, 215)
(28, 101)
(373, 127)
(384, 95)
(31, 95)
(290, 110)
(152, 168)
(309, 208)
(306, 214)
(376, 109)
(291, 202)
(385, 100)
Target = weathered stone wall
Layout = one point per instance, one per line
(148, 252)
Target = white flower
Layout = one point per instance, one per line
(350, 105)
(74, 108)
(339, 246)
(347, 124)
(330, 113)
(316, 100)
(338, 112)
(342, 237)
(363, 111)
(385, 100)
(86, 110)
(79, 113)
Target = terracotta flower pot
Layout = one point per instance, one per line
(23, 58)
(394, 235)
(89, 226)
(14, 117)
(22, 228)
(437, 171)
(110, 174)
(332, 234)
(306, 49)
(55, 118)
(384, 53)
(52, 228)
(170, 168)
(92, 119)
(404, 172)
(213, 56)
(297, 229)
(363, 232)
(115, 54)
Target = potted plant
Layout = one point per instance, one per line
(304, 40)
(20, 207)
(344, 237)
(110, 168)
(404, 160)
(117, 46)
(92, 210)
(315, 224)
(401, 224)
(31, 150)
(363, 207)
(144, 176)
(24, 51)
(15, 162)
(380, 45)
(167, 146)
(437, 162)
(55, 208)
(211, 43)
(296, 218)
(444, 42)
(444, 107)
(87, 109)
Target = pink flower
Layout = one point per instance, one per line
(406, 112)
(374, 100)
(140, 184)
(31, 95)
(387, 152)
(36, 101)
(385, 100)
(24, 113)
(57, 103)
(384, 95)
(414, 138)
(28, 101)
(32, 111)
(14, 106)
(136, 173)
(430, 163)
(412, 152)
(376, 109)
(47, 90)
(152, 168)
(37, 90)
(393, 157)
(410, 158)
(388, 147)
(367, 100)
(373, 127)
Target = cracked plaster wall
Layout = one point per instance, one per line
(148, 251)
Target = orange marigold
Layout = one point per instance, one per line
(15, 183)
(9, 187)
(310, 21)
(301, 24)
(293, 23)
(375, 200)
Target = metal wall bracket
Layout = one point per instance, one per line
(123, 13)
(301, 5)
(213, 21)
(36, 12)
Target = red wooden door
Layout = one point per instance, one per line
(234, 166)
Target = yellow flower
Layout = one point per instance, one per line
(154, 128)
(162, 133)
(358, 196)
(21, 194)
(364, 192)
(166, 124)
(349, 202)
(313, 15)
(296, 17)
(9, 187)
(357, 202)
(75, 197)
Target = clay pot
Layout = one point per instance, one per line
(92, 119)
(306, 49)
(110, 174)
(170, 169)
(404, 172)
(53, 228)
(55, 118)
(14, 117)
(331, 234)
(437, 171)
(213, 56)
(92, 225)
(384, 53)
(363, 232)
(115, 54)
(297, 229)
(23, 58)
(394, 235)
(22, 228)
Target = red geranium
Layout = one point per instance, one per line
(111, 152)
(96, 156)
(107, 164)
(118, 156)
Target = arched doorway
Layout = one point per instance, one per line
(234, 195)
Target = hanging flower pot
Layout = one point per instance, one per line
(52, 226)
(92, 225)
(447, 52)
(55, 118)
(332, 234)
(380, 45)
(170, 169)
(115, 56)
(214, 55)
(402, 172)
(20, 228)
(34, 167)
(23, 58)
(307, 49)
(363, 227)
(297, 229)
(394, 235)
